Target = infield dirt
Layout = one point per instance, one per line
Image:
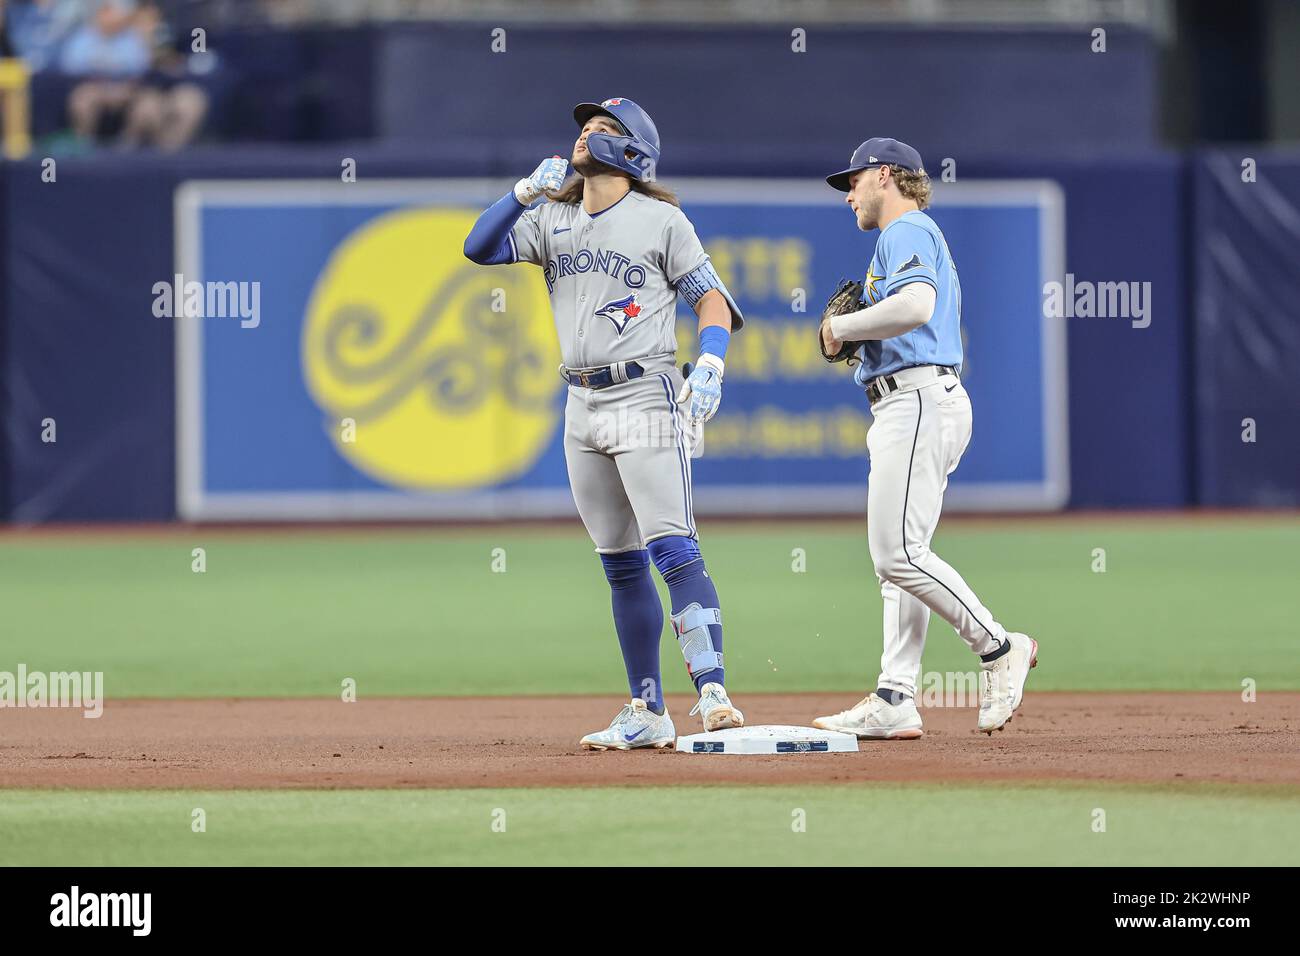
(532, 742)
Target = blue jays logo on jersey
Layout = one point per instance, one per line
(621, 311)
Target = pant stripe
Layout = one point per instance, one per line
(680, 417)
(907, 491)
(681, 453)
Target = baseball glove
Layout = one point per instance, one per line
(847, 298)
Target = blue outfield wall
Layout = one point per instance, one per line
(81, 256)
(1246, 269)
(1131, 439)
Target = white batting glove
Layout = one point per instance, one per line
(704, 388)
(549, 174)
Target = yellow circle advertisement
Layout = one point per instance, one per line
(434, 373)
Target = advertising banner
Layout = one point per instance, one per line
(338, 357)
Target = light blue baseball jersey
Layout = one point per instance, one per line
(912, 249)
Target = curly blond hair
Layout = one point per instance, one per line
(913, 185)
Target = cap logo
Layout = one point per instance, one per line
(617, 101)
(873, 159)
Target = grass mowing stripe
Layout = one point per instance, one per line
(1179, 607)
(908, 825)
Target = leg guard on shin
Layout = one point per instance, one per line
(696, 616)
(693, 629)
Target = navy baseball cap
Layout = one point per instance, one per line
(877, 152)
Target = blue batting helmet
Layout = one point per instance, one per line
(637, 151)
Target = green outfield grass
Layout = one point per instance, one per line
(1190, 605)
(684, 825)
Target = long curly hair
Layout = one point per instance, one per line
(571, 191)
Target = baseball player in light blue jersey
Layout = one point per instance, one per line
(616, 252)
(911, 357)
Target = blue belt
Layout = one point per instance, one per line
(602, 376)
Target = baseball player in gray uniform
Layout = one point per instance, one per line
(616, 251)
(907, 339)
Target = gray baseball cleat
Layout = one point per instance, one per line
(636, 725)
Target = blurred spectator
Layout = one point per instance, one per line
(135, 92)
(36, 29)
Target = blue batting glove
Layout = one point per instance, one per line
(548, 175)
(703, 386)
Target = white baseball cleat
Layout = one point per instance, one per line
(1002, 682)
(635, 726)
(874, 718)
(716, 708)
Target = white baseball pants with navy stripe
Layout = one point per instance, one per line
(628, 449)
(915, 442)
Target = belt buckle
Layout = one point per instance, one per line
(585, 379)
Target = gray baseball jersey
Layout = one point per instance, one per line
(612, 280)
(612, 276)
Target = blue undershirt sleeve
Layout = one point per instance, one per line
(489, 243)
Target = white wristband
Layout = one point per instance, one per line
(526, 192)
(712, 361)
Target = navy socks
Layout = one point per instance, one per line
(639, 617)
(639, 620)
